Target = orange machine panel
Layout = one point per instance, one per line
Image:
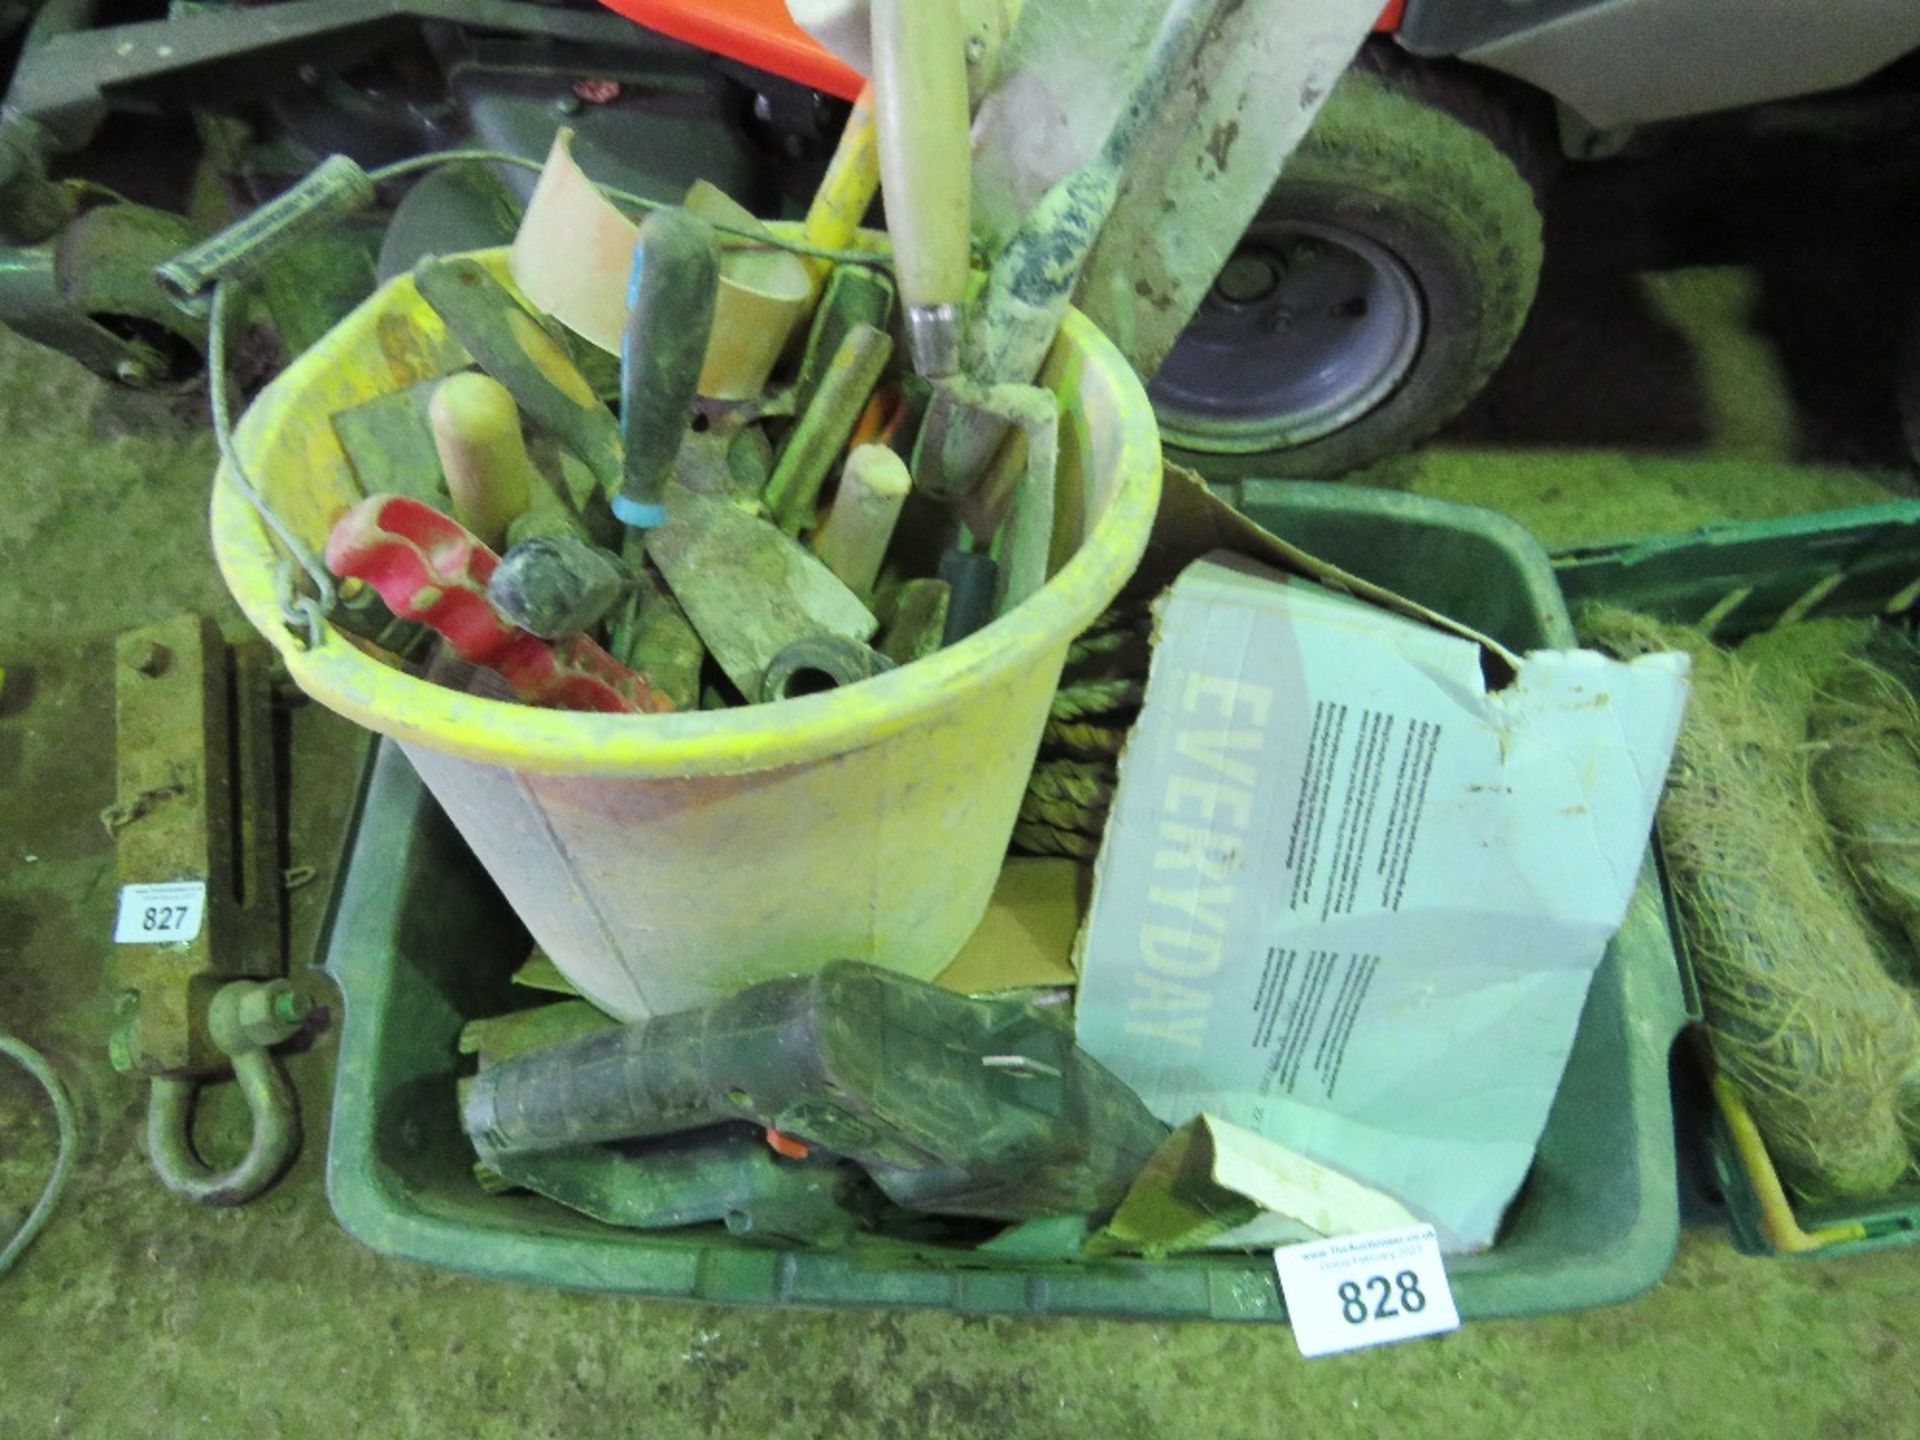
(754, 32)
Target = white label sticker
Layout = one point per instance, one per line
(1365, 1290)
(160, 914)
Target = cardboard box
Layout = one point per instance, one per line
(1358, 874)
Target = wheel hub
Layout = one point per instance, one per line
(1307, 328)
(1250, 276)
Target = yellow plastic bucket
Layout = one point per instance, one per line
(665, 860)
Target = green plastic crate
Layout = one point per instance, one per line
(1735, 579)
(424, 942)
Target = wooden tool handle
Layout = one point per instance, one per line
(476, 431)
(847, 189)
(508, 343)
(854, 538)
(920, 101)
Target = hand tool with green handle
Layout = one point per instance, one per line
(670, 299)
(793, 491)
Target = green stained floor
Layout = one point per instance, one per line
(138, 1315)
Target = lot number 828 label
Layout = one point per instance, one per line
(1366, 1290)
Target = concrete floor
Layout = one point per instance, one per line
(137, 1314)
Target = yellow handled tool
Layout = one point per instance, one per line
(926, 167)
(846, 191)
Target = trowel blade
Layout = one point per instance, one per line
(747, 588)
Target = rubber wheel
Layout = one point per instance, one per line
(1377, 290)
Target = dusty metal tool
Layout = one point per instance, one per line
(915, 619)
(1013, 516)
(1030, 284)
(652, 634)
(705, 465)
(1217, 144)
(428, 569)
(955, 1106)
(819, 663)
(556, 586)
(389, 441)
(197, 813)
(748, 589)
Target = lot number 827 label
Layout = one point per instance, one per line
(164, 914)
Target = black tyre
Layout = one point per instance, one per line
(1380, 286)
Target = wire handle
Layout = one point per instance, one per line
(204, 275)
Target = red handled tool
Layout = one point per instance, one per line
(429, 568)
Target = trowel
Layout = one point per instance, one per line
(1032, 279)
(748, 589)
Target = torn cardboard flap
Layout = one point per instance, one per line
(1030, 936)
(1193, 522)
(1214, 1185)
(1350, 898)
(1025, 940)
